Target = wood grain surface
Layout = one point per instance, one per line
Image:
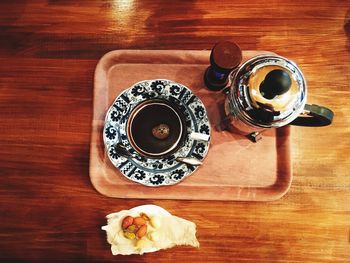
(49, 211)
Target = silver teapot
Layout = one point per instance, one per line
(270, 91)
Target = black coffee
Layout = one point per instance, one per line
(147, 123)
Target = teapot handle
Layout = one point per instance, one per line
(314, 116)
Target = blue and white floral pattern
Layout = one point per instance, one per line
(115, 116)
(137, 90)
(177, 174)
(199, 111)
(158, 86)
(113, 153)
(204, 129)
(110, 132)
(140, 175)
(152, 171)
(157, 179)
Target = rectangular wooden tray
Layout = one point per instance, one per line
(234, 169)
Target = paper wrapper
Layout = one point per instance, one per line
(172, 231)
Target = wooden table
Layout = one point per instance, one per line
(49, 210)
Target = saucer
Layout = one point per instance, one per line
(156, 171)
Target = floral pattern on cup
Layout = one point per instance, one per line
(111, 132)
(113, 153)
(158, 86)
(115, 116)
(178, 174)
(204, 129)
(157, 179)
(152, 171)
(139, 175)
(175, 90)
(200, 148)
(199, 112)
(137, 90)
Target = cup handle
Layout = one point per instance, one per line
(314, 116)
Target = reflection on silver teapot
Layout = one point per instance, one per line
(269, 91)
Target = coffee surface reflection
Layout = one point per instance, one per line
(156, 128)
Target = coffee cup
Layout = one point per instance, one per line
(156, 128)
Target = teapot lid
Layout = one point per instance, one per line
(270, 90)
